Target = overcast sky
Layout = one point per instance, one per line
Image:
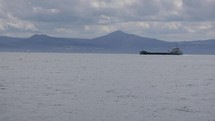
(171, 20)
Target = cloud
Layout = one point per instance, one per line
(163, 19)
(40, 10)
(199, 10)
(9, 22)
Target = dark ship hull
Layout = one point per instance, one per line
(174, 51)
(158, 53)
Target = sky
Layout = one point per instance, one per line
(170, 20)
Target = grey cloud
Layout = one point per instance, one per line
(90, 18)
(82, 10)
(199, 10)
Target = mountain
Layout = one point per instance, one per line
(198, 47)
(115, 42)
(130, 43)
(43, 43)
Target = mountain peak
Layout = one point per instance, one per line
(118, 32)
(39, 36)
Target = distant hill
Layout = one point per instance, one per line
(198, 47)
(115, 42)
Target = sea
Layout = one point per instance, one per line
(106, 87)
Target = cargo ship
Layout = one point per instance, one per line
(174, 51)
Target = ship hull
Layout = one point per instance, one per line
(158, 53)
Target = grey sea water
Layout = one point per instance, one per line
(106, 87)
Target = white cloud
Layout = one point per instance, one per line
(87, 28)
(41, 10)
(103, 19)
(9, 22)
(162, 19)
(178, 3)
(199, 27)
